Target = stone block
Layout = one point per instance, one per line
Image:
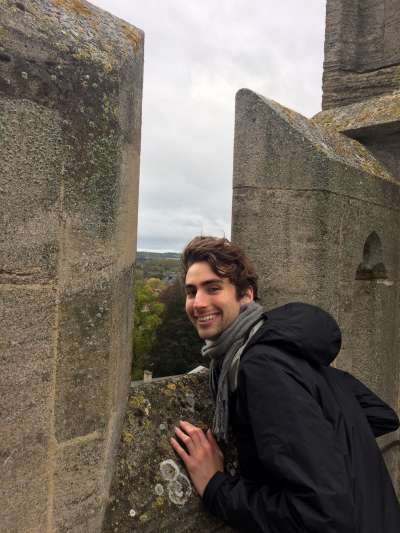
(390, 448)
(362, 58)
(150, 490)
(120, 368)
(27, 319)
(276, 147)
(374, 123)
(84, 352)
(305, 185)
(380, 114)
(29, 193)
(78, 494)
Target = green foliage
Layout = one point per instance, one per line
(147, 317)
(176, 347)
(164, 340)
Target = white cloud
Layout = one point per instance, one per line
(197, 55)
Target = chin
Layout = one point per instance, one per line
(208, 335)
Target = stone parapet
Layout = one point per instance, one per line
(150, 490)
(70, 122)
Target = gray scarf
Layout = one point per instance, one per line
(225, 354)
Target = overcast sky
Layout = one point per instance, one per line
(197, 55)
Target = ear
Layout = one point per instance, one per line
(248, 296)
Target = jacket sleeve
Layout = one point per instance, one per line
(307, 482)
(380, 416)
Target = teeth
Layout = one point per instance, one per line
(205, 318)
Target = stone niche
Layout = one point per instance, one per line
(70, 122)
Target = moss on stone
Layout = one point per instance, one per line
(374, 111)
(76, 6)
(331, 142)
(162, 498)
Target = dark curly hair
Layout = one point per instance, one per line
(225, 259)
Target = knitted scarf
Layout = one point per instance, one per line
(225, 354)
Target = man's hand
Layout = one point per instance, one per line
(202, 456)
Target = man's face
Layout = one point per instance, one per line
(211, 302)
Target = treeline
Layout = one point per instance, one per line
(164, 341)
(157, 265)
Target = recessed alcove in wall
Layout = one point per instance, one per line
(372, 265)
(372, 331)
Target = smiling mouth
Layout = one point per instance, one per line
(206, 319)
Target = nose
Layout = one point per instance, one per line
(201, 300)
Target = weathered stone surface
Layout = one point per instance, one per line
(28, 229)
(83, 364)
(70, 119)
(375, 123)
(320, 219)
(78, 494)
(381, 113)
(27, 367)
(150, 490)
(362, 57)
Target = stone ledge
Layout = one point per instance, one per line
(150, 490)
(355, 119)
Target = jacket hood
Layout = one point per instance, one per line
(303, 330)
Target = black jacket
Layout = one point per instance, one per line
(308, 459)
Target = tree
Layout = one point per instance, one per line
(147, 317)
(176, 347)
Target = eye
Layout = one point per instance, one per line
(214, 289)
(190, 293)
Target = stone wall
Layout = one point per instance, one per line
(316, 202)
(319, 214)
(70, 120)
(362, 50)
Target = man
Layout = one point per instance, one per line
(305, 431)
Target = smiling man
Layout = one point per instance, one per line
(212, 303)
(305, 431)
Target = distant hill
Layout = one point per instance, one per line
(146, 256)
(162, 265)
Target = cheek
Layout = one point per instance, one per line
(188, 306)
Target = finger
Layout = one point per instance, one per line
(213, 443)
(185, 439)
(211, 438)
(194, 432)
(179, 450)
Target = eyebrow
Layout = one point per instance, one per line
(205, 283)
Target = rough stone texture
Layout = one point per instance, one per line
(28, 230)
(381, 112)
(70, 120)
(375, 123)
(319, 215)
(27, 364)
(150, 490)
(362, 52)
(77, 487)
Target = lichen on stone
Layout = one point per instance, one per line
(374, 111)
(149, 477)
